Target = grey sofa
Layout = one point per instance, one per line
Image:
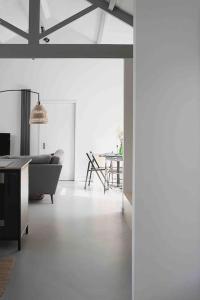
(44, 173)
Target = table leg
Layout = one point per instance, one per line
(118, 173)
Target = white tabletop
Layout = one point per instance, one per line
(112, 155)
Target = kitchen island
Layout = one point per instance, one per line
(14, 193)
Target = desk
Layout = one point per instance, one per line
(114, 157)
(13, 199)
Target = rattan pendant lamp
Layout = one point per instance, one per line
(38, 114)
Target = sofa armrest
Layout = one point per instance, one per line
(43, 178)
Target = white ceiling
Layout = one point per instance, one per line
(83, 30)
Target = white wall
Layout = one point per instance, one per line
(167, 150)
(96, 85)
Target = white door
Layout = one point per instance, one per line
(59, 133)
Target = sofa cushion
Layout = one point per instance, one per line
(55, 160)
(57, 157)
(41, 159)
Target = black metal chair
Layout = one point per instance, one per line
(94, 167)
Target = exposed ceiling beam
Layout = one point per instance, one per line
(101, 27)
(66, 51)
(103, 20)
(116, 12)
(67, 21)
(14, 29)
(34, 21)
(112, 4)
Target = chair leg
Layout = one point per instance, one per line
(109, 179)
(90, 178)
(52, 198)
(106, 184)
(86, 179)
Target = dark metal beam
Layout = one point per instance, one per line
(66, 51)
(14, 28)
(34, 21)
(116, 12)
(68, 21)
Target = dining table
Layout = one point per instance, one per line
(114, 157)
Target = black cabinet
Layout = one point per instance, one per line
(14, 200)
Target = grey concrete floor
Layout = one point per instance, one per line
(77, 249)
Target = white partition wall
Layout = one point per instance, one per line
(167, 150)
(128, 140)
